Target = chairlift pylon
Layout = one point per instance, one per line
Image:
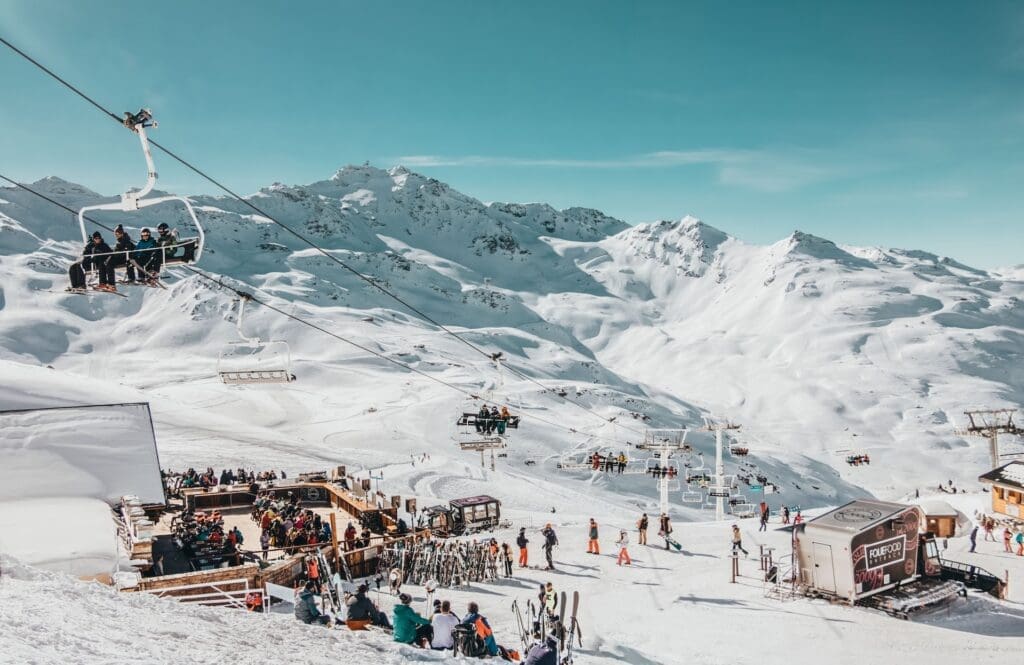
(252, 360)
(133, 201)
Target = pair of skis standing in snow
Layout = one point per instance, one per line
(545, 626)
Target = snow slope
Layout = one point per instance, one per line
(816, 349)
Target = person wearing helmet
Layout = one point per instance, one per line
(145, 254)
(168, 240)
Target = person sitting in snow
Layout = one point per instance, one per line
(410, 627)
(305, 607)
(483, 630)
(361, 608)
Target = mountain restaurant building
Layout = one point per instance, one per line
(858, 549)
(1007, 484)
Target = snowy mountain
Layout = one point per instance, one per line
(818, 350)
(815, 348)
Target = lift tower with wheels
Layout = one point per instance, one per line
(664, 443)
(720, 489)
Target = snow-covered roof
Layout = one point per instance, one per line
(938, 509)
(857, 516)
(1011, 473)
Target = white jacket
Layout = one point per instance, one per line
(622, 541)
(443, 625)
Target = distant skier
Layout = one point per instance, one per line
(764, 517)
(592, 545)
(641, 527)
(665, 526)
(622, 543)
(798, 518)
(522, 542)
(737, 541)
(1019, 538)
(550, 542)
(990, 525)
(622, 463)
(550, 599)
(506, 558)
(974, 538)
(1006, 540)
(785, 515)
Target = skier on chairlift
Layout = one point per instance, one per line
(146, 256)
(97, 254)
(144, 117)
(483, 420)
(123, 257)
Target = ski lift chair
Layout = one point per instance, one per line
(579, 461)
(253, 361)
(742, 509)
(635, 467)
(673, 484)
(134, 201)
(691, 496)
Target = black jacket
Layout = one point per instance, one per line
(91, 249)
(360, 608)
(125, 244)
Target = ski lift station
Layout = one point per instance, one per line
(858, 549)
(1007, 484)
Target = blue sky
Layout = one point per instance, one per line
(873, 123)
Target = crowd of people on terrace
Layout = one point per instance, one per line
(285, 525)
(175, 481)
(206, 541)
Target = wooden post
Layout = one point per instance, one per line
(334, 542)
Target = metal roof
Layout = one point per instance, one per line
(473, 501)
(856, 516)
(1011, 473)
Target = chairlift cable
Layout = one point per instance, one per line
(302, 238)
(238, 292)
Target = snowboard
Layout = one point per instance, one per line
(670, 540)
